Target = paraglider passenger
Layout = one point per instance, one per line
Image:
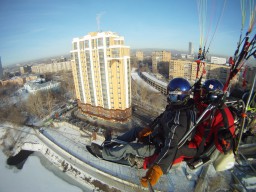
(161, 137)
(216, 128)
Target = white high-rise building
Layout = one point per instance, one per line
(101, 71)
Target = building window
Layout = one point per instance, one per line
(86, 43)
(81, 45)
(100, 42)
(107, 41)
(75, 45)
(93, 43)
(115, 52)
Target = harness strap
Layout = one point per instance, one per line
(226, 127)
(225, 118)
(206, 133)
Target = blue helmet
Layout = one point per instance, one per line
(212, 89)
(178, 90)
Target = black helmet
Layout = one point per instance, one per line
(212, 89)
(178, 90)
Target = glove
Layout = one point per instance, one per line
(144, 133)
(152, 175)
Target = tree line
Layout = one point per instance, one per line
(14, 108)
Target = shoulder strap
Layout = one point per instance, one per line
(191, 121)
(226, 127)
(206, 133)
(225, 118)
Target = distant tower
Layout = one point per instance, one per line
(101, 71)
(1, 70)
(190, 49)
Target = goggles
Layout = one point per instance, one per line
(179, 92)
(175, 96)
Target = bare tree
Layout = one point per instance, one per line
(134, 87)
(144, 93)
(158, 100)
(16, 116)
(67, 83)
(5, 100)
(35, 105)
(49, 102)
(12, 114)
(6, 91)
(134, 62)
(3, 113)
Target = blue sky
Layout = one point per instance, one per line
(33, 29)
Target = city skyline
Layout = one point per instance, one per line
(45, 28)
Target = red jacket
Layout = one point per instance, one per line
(216, 123)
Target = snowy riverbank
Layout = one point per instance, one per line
(33, 177)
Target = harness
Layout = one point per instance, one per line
(222, 137)
(201, 146)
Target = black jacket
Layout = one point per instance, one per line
(171, 126)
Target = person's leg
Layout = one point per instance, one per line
(130, 135)
(186, 152)
(173, 154)
(121, 151)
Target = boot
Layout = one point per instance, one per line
(139, 161)
(131, 159)
(108, 137)
(135, 161)
(108, 134)
(97, 149)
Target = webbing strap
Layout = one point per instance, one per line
(206, 133)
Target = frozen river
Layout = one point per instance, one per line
(32, 177)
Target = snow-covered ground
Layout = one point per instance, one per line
(64, 148)
(33, 177)
(69, 154)
(141, 82)
(130, 177)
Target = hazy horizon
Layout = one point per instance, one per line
(33, 30)
(68, 54)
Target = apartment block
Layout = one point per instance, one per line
(18, 80)
(34, 87)
(218, 60)
(25, 69)
(217, 71)
(160, 58)
(51, 67)
(188, 70)
(102, 77)
(139, 55)
(184, 68)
